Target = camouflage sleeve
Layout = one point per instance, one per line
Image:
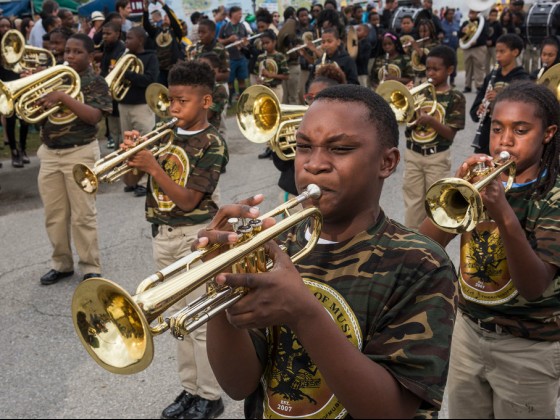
(219, 99)
(205, 174)
(96, 94)
(224, 60)
(408, 71)
(413, 342)
(375, 70)
(547, 229)
(283, 67)
(455, 112)
(260, 59)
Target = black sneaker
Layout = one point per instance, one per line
(467, 90)
(25, 158)
(179, 407)
(130, 188)
(17, 162)
(205, 409)
(266, 154)
(140, 191)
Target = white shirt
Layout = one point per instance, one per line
(36, 35)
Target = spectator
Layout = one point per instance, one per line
(124, 10)
(167, 38)
(97, 19)
(67, 20)
(50, 8)
(193, 33)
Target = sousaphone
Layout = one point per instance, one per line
(474, 30)
(551, 79)
(287, 36)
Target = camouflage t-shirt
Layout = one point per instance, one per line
(78, 132)
(453, 109)
(217, 49)
(219, 101)
(401, 61)
(487, 291)
(281, 64)
(393, 293)
(194, 161)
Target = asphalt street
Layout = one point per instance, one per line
(45, 371)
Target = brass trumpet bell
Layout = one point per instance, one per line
(114, 326)
(405, 102)
(454, 204)
(261, 118)
(19, 57)
(157, 98)
(551, 79)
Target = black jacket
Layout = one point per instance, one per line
(167, 56)
(517, 73)
(139, 82)
(346, 64)
(111, 53)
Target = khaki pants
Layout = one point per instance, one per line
(114, 126)
(490, 58)
(279, 92)
(303, 76)
(195, 372)
(291, 86)
(420, 172)
(70, 213)
(497, 375)
(137, 117)
(475, 62)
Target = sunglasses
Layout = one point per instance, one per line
(308, 98)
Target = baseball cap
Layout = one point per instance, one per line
(95, 16)
(518, 2)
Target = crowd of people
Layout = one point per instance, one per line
(407, 324)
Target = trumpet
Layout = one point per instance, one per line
(118, 85)
(261, 118)
(115, 327)
(406, 103)
(455, 204)
(114, 165)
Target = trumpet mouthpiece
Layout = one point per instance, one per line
(313, 191)
(504, 155)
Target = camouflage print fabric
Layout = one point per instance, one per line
(393, 294)
(487, 291)
(401, 61)
(78, 132)
(453, 103)
(194, 161)
(281, 64)
(217, 49)
(219, 101)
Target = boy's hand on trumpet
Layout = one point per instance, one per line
(143, 160)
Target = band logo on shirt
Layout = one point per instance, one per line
(294, 385)
(485, 277)
(175, 163)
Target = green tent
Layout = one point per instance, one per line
(64, 4)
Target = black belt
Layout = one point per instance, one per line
(426, 150)
(486, 326)
(67, 146)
